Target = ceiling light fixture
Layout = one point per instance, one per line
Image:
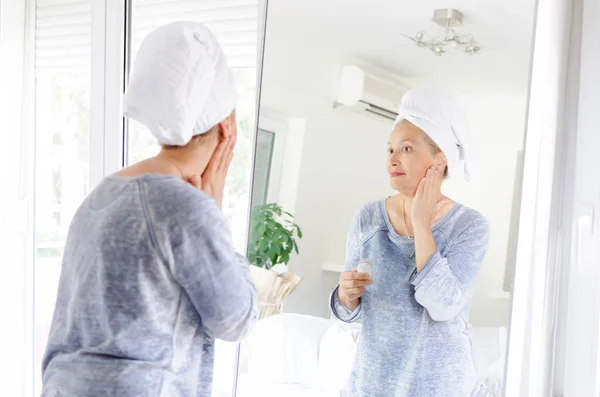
(448, 18)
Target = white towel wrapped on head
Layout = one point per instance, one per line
(181, 85)
(440, 117)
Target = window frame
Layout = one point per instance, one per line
(107, 130)
(547, 356)
(264, 199)
(16, 211)
(279, 128)
(576, 370)
(537, 283)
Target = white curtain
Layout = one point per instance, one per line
(234, 22)
(63, 36)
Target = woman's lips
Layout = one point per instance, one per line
(397, 174)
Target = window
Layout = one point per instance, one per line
(511, 260)
(61, 39)
(62, 44)
(235, 25)
(265, 143)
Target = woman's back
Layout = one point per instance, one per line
(149, 279)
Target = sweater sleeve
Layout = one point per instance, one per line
(445, 284)
(198, 247)
(352, 260)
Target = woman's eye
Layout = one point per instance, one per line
(390, 151)
(406, 149)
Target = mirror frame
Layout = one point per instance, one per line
(263, 8)
(535, 294)
(531, 344)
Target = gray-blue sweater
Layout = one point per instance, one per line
(415, 339)
(149, 279)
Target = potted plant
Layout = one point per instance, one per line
(273, 235)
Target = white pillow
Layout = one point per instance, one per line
(489, 352)
(285, 349)
(336, 355)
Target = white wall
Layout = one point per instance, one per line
(497, 128)
(343, 166)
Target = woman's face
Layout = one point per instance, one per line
(410, 155)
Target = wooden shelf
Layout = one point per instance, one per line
(333, 267)
(500, 295)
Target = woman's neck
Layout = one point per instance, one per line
(399, 204)
(182, 162)
(399, 210)
(188, 162)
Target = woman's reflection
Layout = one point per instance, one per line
(425, 251)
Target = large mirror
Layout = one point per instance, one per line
(377, 276)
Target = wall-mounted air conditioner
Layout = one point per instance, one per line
(374, 94)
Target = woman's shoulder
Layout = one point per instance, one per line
(462, 218)
(370, 209)
(369, 217)
(171, 197)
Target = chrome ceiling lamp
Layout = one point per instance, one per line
(448, 18)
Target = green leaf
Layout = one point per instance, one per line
(272, 235)
(262, 228)
(273, 250)
(263, 245)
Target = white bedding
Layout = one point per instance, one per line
(295, 355)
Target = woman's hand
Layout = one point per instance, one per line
(428, 194)
(212, 181)
(352, 287)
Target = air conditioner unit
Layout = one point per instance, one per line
(374, 94)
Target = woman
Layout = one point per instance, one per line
(150, 276)
(426, 251)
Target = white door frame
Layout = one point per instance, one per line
(577, 369)
(535, 297)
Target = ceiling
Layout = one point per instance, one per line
(372, 30)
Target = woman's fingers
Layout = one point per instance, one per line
(355, 283)
(215, 161)
(227, 156)
(433, 184)
(429, 182)
(355, 293)
(421, 188)
(354, 274)
(439, 179)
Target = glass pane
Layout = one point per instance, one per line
(141, 145)
(346, 204)
(262, 166)
(62, 119)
